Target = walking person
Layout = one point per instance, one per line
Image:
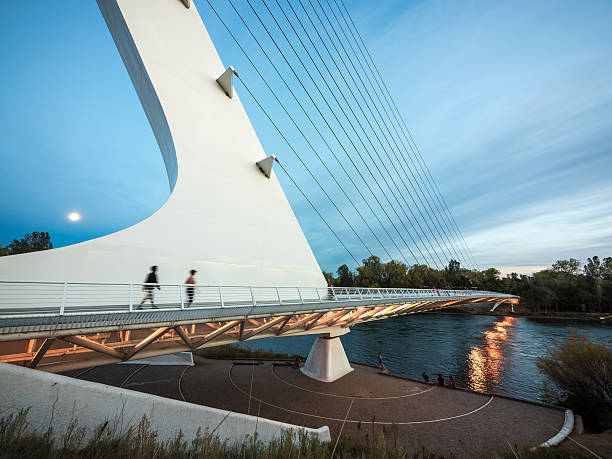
(381, 366)
(451, 382)
(190, 290)
(150, 284)
(440, 380)
(425, 376)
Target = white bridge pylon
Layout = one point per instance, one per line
(224, 218)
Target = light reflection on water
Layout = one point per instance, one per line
(484, 353)
(486, 363)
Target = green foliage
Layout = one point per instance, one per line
(563, 287)
(31, 242)
(582, 373)
(232, 351)
(571, 266)
(345, 277)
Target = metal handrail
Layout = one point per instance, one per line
(22, 298)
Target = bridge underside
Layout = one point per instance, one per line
(78, 343)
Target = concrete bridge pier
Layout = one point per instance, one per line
(327, 360)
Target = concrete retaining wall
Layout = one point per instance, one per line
(56, 400)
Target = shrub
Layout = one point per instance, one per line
(582, 373)
(232, 351)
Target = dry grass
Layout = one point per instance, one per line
(19, 440)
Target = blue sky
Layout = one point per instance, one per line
(509, 102)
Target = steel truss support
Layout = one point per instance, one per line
(93, 346)
(337, 317)
(217, 332)
(42, 350)
(300, 322)
(181, 332)
(264, 327)
(314, 321)
(282, 326)
(148, 340)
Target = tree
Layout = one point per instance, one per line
(422, 276)
(31, 242)
(606, 268)
(345, 277)
(595, 269)
(4, 251)
(372, 273)
(571, 266)
(582, 373)
(453, 266)
(396, 274)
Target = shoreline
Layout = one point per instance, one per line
(565, 315)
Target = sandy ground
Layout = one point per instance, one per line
(361, 405)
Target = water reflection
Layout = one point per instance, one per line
(486, 361)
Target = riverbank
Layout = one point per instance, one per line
(522, 312)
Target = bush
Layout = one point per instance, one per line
(582, 373)
(232, 351)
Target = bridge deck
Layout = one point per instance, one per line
(73, 322)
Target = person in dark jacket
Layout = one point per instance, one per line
(425, 377)
(440, 380)
(149, 286)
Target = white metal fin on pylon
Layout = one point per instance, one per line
(226, 81)
(265, 165)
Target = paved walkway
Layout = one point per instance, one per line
(366, 403)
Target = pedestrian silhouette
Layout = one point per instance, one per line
(150, 284)
(190, 290)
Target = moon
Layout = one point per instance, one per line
(74, 216)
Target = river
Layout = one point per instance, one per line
(484, 353)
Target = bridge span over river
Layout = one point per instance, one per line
(57, 326)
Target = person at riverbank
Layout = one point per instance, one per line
(425, 376)
(451, 382)
(149, 286)
(190, 290)
(440, 380)
(381, 365)
(296, 362)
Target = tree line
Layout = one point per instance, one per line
(567, 285)
(31, 242)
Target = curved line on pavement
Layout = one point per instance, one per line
(354, 420)
(358, 397)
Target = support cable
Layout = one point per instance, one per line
(333, 133)
(446, 241)
(318, 213)
(418, 154)
(439, 197)
(366, 118)
(304, 136)
(306, 167)
(364, 131)
(335, 116)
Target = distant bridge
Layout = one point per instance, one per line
(64, 325)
